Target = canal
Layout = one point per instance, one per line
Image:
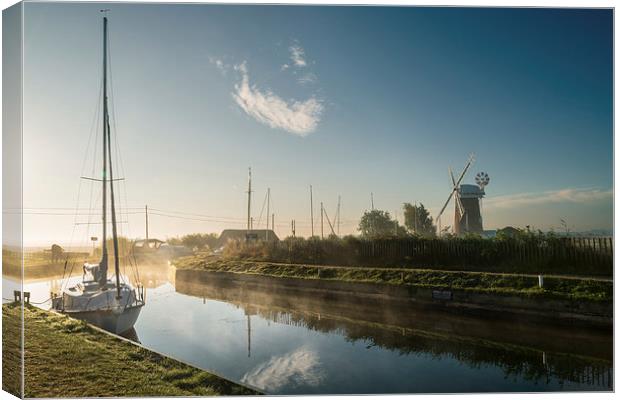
(283, 342)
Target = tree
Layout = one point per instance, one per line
(174, 241)
(199, 240)
(418, 220)
(377, 223)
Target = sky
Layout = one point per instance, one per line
(350, 100)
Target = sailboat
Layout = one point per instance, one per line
(110, 304)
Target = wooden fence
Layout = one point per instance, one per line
(563, 255)
(572, 254)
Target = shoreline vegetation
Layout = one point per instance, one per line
(521, 285)
(525, 252)
(65, 357)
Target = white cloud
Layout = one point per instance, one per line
(297, 55)
(307, 78)
(554, 196)
(284, 67)
(299, 367)
(297, 117)
(220, 64)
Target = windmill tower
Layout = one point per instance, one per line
(467, 200)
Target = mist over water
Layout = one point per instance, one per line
(291, 342)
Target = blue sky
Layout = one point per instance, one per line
(352, 100)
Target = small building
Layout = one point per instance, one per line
(245, 235)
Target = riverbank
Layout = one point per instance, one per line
(68, 358)
(560, 298)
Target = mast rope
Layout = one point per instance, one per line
(120, 164)
(93, 129)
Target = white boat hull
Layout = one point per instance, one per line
(109, 320)
(114, 310)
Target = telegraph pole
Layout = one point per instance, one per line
(273, 216)
(372, 201)
(268, 198)
(146, 216)
(249, 195)
(311, 214)
(321, 220)
(293, 227)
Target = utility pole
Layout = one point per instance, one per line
(321, 220)
(268, 198)
(311, 215)
(249, 195)
(372, 201)
(293, 227)
(273, 216)
(146, 216)
(251, 223)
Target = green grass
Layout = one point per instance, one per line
(65, 357)
(509, 284)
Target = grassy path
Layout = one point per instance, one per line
(65, 357)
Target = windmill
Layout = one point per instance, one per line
(467, 216)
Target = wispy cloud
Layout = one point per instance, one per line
(299, 367)
(308, 78)
(220, 64)
(569, 195)
(297, 117)
(298, 55)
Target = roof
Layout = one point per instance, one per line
(467, 190)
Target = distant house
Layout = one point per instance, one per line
(251, 235)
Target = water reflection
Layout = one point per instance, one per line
(299, 367)
(286, 341)
(540, 354)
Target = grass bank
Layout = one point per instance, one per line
(65, 357)
(563, 288)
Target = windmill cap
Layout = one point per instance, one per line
(467, 190)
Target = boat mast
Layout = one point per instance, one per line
(109, 140)
(103, 264)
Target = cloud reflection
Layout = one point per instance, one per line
(296, 368)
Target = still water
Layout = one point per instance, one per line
(283, 342)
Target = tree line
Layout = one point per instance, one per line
(376, 224)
